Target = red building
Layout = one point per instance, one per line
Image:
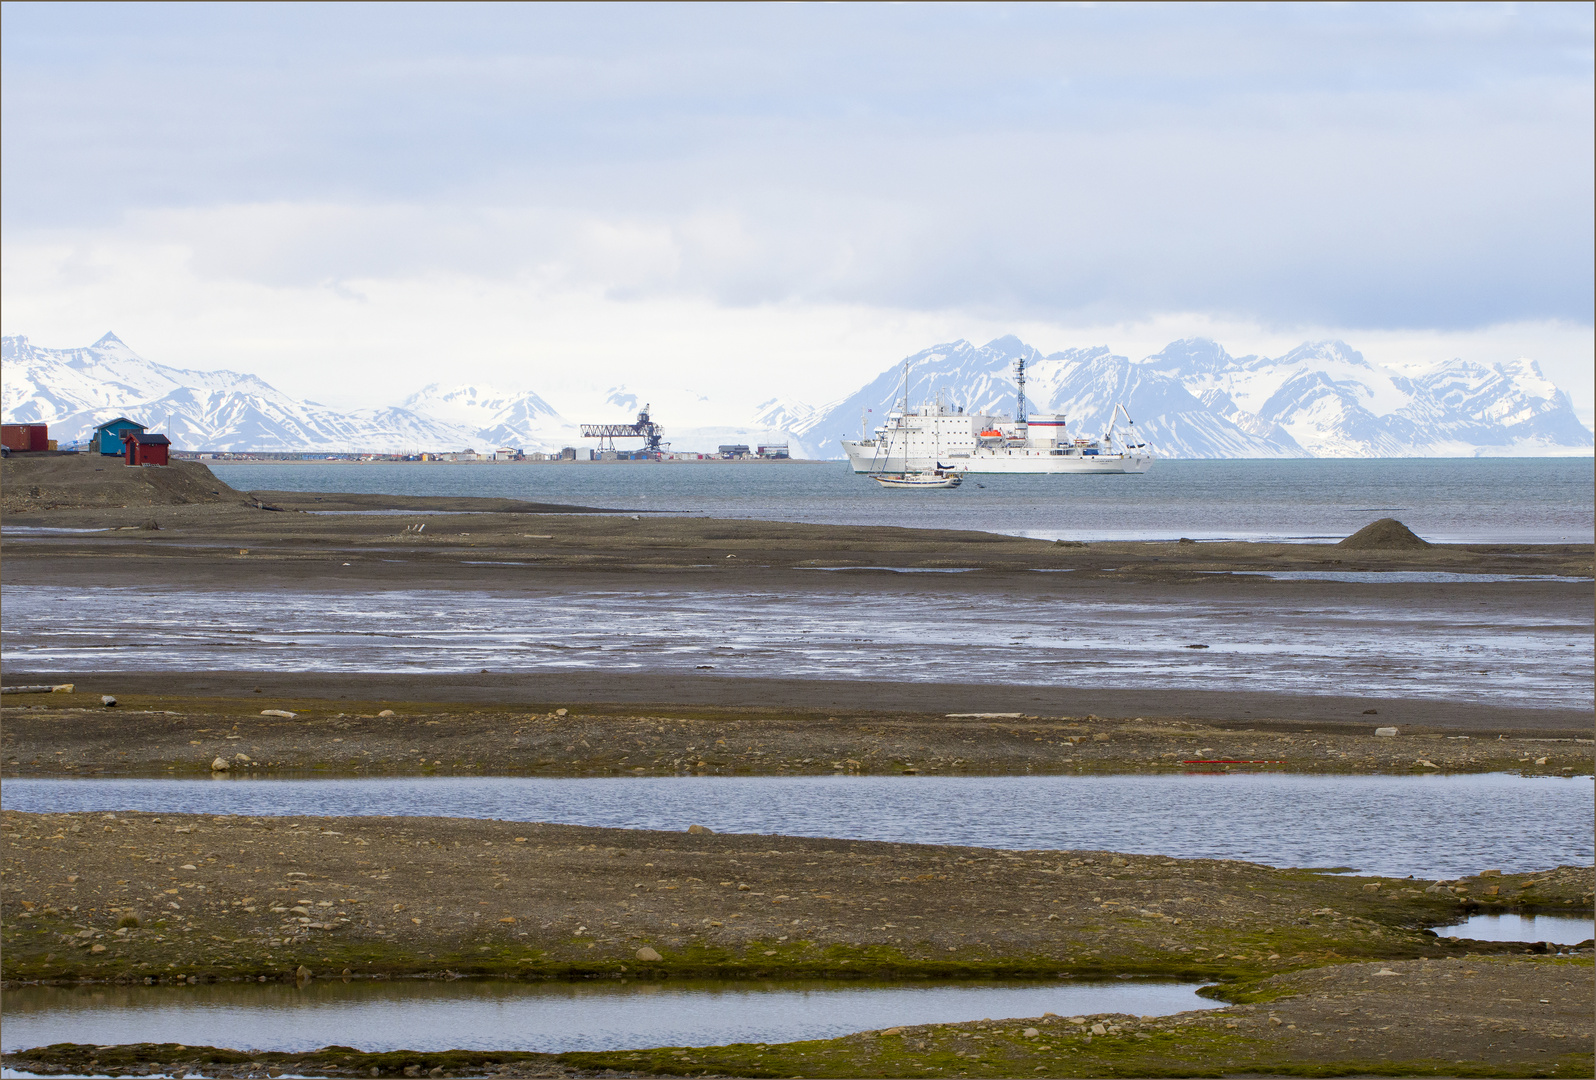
(25, 438)
(146, 449)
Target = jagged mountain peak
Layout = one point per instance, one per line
(1330, 350)
(1085, 354)
(1012, 348)
(1193, 355)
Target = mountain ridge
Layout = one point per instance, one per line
(1190, 399)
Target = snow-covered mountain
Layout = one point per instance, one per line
(1193, 399)
(496, 417)
(73, 390)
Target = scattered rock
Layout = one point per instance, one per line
(1371, 712)
(96, 948)
(303, 973)
(1387, 534)
(220, 765)
(1425, 763)
(387, 712)
(1030, 1033)
(1386, 732)
(107, 700)
(699, 830)
(648, 955)
(284, 713)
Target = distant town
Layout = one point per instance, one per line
(131, 439)
(728, 453)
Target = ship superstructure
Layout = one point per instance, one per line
(940, 436)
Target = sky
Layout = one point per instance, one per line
(783, 200)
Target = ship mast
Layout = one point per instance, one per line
(1019, 399)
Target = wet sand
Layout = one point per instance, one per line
(222, 547)
(167, 734)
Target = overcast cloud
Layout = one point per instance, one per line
(523, 190)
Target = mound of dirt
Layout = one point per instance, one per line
(1387, 534)
(32, 482)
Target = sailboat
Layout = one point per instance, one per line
(935, 478)
(942, 476)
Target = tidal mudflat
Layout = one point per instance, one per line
(158, 896)
(1303, 960)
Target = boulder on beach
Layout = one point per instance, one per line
(1387, 534)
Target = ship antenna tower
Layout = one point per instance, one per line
(1019, 399)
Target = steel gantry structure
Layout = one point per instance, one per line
(644, 428)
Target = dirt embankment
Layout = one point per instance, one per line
(164, 896)
(163, 736)
(31, 484)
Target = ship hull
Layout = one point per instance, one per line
(867, 458)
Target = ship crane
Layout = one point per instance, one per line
(644, 429)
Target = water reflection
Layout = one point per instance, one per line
(1552, 929)
(549, 1017)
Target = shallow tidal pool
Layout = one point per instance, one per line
(548, 1017)
(1426, 826)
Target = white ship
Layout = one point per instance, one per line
(937, 436)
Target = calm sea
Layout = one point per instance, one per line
(1497, 500)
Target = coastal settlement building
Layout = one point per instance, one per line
(107, 438)
(26, 438)
(143, 448)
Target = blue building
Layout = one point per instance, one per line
(107, 437)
